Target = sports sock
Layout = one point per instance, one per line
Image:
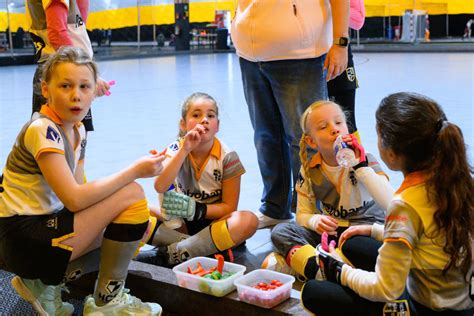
(303, 260)
(164, 236)
(209, 240)
(121, 239)
(85, 264)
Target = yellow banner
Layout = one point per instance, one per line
(16, 20)
(374, 8)
(149, 15)
(204, 11)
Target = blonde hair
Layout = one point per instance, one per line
(68, 54)
(304, 127)
(190, 100)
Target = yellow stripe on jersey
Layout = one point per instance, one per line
(48, 150)
(399, 239)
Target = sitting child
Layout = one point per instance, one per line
(427, 238)
(330, 197)
(53, 226)
(206, 173)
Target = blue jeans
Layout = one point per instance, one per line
(277, 93)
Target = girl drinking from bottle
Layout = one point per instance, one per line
(330, 197)
(427, 237)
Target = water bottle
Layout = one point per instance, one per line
(345, 155)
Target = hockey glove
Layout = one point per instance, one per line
(330, 267)
(181, 205)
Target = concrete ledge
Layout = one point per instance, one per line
(157, 284)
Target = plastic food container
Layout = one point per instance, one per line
(266, 299)
(213, 287)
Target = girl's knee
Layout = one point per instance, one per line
(244, 223)
(248, 221)
(134, 191)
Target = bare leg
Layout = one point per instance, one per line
(89, 224)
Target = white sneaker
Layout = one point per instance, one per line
(123, 304)
(265, 221)
(45, 299)
(275, 262)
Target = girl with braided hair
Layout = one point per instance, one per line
(330, 198)
(424, 266)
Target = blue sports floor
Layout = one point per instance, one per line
(144, 109)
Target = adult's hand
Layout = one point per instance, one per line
(336, 61)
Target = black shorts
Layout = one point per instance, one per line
(345, 81)
(28, 248)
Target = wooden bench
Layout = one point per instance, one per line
(156, 284)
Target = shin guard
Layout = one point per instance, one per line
(121, 239)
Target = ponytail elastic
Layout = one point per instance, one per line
(439, 125)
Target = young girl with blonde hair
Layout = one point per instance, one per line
(330, 198)
(427, 238)
(53, 226)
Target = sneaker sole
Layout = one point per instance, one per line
(114, 313)
(26, 294)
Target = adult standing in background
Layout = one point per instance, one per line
(56, 23)
(288, 50)
(342, 89)
(467, 29)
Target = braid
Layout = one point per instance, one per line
(304, 157)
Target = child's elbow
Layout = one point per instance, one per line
(73, 205)
(159, 187)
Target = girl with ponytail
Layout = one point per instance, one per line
(425, 263)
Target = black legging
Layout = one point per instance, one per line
(328, 298)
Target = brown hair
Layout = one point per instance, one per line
(190, 100)
(416, 128)
(68, 54)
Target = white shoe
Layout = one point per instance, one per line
(265, 221)
(123, 304)
(275, 262)
(45, 299)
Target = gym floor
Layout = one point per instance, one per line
(143, 112)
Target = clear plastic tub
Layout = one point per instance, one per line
(213, 287)
(266, 299)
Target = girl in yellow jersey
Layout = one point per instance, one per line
(51, 222)
(427, 237)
